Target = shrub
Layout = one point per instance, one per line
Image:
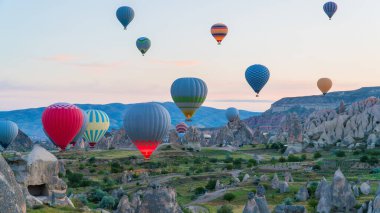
(229, 166)
(312, 203)
(200, 190)
(316, 167)
(92, 170)
(340, 153)
(81, 166)
(211, 184)
(303, 157)
(77, 180)
(197, 161)
(317, 155)
(96, 195)
(228, 159)
(293, 158)
(364, 159)
(229, 197)
(107, 202)
(356, 152)
(213, 160)
(373, 161)
(282, 159)
(288, 201)
(92, 160)
(116, 167)
(225, 209)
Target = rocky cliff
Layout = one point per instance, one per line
(22, 143)
(235, 133)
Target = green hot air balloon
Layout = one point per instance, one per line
(143, 44)
(8, 132)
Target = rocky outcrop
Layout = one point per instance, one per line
(359, 122)
(288, 177)
(275, 182)
(115, 139)
(193, 139)
(289, 209)
(284, 187)
(11, 197)
(22, 143)
(235, 133)
(365, 188)
(154, 199)
(335, 197)
(256, 204)
(37, 173)
(302, 194)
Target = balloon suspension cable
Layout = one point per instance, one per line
(219, 43)
(125, 28)
(143, 54)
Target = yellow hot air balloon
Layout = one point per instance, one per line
(324, 84)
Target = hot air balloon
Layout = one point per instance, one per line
(219, 31)
(181, 129)
(324, 84)
(146, 125)
(188, 94)
(98, 124)
(62, 122)
(257, 76)
(8, 132)
(80, 134)
(125, 15)
(232, 114)
(143, 44)
(330, 8)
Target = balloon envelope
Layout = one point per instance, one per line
(125, 15)
(330, 8)
(189, 94)
(257, 76)
(62, 122)
(219, 32)
(146, 125)
(324, 84)
(232, 114)
(80, 134)
(181, 129)
(8, 132)
(143, 44)
(98, 124)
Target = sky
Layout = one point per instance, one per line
(76, 51)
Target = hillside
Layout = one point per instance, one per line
(29, 120)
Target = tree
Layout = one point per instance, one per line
(340, 153)
(317, 155)
(211, 184)
(225, 209)
(107, 202)
(200, 190)
(229, 197)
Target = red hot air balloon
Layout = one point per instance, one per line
(62, 122)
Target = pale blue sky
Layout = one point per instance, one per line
(76, 50)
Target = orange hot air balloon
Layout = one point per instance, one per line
(219, 31)
(324, 84)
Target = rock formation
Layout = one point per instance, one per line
(289, 209)
(37, 173)
(256, 204)
(283, 186)
(235, 133)
(365, 188)
(275, 182)
(22, 143)
(288, 177)
(153, 199)
(11, 197)
(193, 139)
(302, 194)
(335, 197)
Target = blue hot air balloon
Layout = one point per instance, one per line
(189, 94)
(125, 15)
(330, 8)
(8, 132)
(143, 44)
(146, 125)
(232, 114)
(257, 76)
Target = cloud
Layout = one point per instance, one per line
(177, 63)
(242, 101)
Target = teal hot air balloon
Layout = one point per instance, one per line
(257, 76)
(232, 114)
(125, 15)
(8, 132)
(188, 94)
(143, 44)
(146, 125)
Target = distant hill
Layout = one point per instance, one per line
(305, 105)
(29, 120)
(329, 101)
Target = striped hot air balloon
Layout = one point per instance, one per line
(330, 8)
(98, 124)
(188, 94)
(125, 15)
(146, 125)
(143, 44)
(8, 132)
(62, 122)
(79, 136)
(181, 129)
(257, 76)
(232, 114)
(219, 32)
